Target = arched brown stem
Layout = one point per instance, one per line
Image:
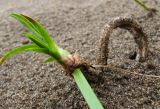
(125, 23)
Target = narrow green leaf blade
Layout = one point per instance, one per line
(43, 32)
(86, 90)
(35, 40)
(29, 47)
(51, 44)
(39, 30)
(50, 59)
(26, 23)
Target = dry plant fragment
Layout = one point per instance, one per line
(119, 70)
(135, 29)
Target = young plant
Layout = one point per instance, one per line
(43, 43)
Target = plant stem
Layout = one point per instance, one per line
(86, 90)
(133, 27)
(142, 4)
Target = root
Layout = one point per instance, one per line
(119, 70)
(129, 24)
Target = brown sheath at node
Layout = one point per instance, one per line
(71, 62)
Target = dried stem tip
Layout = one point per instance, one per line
(129, 24)
(1, 60)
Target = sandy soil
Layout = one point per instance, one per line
(28, 83)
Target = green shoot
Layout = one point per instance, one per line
(49, 59)
(29, 47)
(43, 43)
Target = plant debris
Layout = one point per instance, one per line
(132, 26)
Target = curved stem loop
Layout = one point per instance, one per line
(133, 27)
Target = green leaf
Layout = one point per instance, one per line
(50, 59)
(29, 47)
(86, 90)
(51, 44)
(35, 40)
(26, 23)
(38, 29)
